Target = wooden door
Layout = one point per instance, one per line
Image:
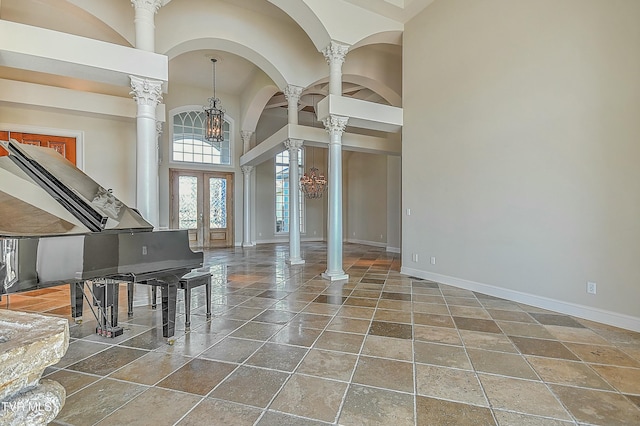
(66, 146)
(202, 203)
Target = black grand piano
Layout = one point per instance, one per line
(57, 225)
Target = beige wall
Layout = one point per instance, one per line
(394, 202)
(365, 197)
(520, 149)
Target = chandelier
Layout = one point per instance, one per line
(313, 184)
(213, 131)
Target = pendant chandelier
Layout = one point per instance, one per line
(313, 184)
(213, 131)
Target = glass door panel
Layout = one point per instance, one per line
(188, 202)
(218, 202)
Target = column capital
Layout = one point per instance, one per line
(246, 135)
(146, 92)
(293, 144)
(246, 140)
(292, 93)
(150, 5)
(335, 124)
(246, 170)
(335, 52)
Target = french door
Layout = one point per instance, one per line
(202, 202)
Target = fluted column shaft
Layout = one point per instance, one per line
(335, 125)
(147, 94)
(294, 145)
(246, 213)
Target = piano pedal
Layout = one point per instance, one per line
(170, 342)
(109, 331)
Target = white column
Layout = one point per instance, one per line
(246, 213)
(145, 23)
(294, 145)
(246, 140)
(158, 136)
(292, 93)
(335, 53)
(147, 94)
(335, 125)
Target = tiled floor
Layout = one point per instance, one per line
(287, 348)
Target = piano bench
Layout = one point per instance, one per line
(188, 281)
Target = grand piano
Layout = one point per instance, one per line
(57, 225)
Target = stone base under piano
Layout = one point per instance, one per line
(29, 343)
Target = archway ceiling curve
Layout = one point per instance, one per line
(326, 20)
(79, 17)
(385, 92)
(272, 45)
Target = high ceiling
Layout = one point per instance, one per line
(233, 73)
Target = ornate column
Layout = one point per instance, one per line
(246, 213)
(246, 140)
(294, 145)
(335, 53)
(335, 125)
(147, 94)
(292, 93)
(145, 23)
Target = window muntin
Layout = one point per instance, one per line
(189, 144)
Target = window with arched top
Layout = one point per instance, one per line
(188, 144)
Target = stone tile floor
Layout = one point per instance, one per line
(285, 347)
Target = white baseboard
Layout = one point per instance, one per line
(286, 240)
(366, 243)
(393, 249)
(586, 312)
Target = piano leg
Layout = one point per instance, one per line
(187, 306)
(129, 299)
(169, 297)
(207, 287)
(77, 299)
(114, 292)
(154, 297)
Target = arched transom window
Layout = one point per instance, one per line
(189, 144)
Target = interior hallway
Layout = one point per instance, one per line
(285, 347)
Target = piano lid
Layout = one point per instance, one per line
(42, 193)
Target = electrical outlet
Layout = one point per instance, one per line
(381, 236)
(415, 257)
(354, 234)
(433, 260)
(144, 250)
(591, 287)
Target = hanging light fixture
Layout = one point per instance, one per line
(213, 131)
(313, 184)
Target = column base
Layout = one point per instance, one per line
(295, 261)
(248, 245)
(332, 276)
